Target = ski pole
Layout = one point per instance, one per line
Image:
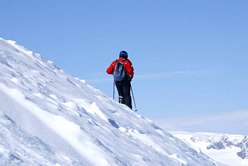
(134, 102)
(113, 90)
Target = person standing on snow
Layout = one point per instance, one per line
(123, 72)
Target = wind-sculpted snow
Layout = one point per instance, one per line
(51, 118)
(18, 148)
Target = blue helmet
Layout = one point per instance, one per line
(123, 54)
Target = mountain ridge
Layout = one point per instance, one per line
(57, 119)
(229, 149)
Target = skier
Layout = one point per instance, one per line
(123, 72)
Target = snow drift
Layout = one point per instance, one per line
(50, 118)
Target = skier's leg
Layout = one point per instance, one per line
(119, 87)
(127, 94)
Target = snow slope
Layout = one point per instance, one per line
(228, 149)
(50, 118)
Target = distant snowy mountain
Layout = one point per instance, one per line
(49, 118)
(228, 149)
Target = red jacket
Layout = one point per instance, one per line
(127, 65)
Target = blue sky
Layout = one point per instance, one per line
(190, 56)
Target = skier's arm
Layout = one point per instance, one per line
(111, 68)
(129, 69)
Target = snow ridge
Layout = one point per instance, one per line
(56, 119)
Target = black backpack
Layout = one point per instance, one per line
(119, 72)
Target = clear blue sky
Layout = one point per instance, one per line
(190, 56)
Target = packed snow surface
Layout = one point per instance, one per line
(50, 118)
(229, 149)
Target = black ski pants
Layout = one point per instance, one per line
(124, 88)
